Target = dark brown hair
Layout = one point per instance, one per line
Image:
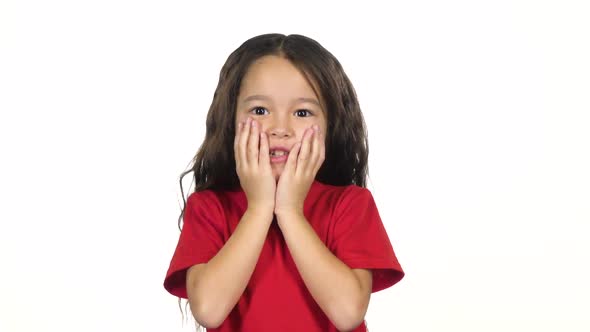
(346, 135)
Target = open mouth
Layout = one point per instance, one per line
(278, 153)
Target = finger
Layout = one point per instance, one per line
(304, 154)
(237, 141)
(291, 164)
(313, 150)
(253, 143)
(263, 157)
(319, 150)
(314, 153)
(244, 141)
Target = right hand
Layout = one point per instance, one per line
(253, 165)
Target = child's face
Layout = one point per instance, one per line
(271, 93)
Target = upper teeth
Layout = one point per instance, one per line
(278, 153)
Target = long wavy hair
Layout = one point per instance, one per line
(347, 150)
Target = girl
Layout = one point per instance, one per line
(280, 233)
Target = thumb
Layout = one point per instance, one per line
(263, 156)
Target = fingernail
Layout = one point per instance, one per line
(253, 123)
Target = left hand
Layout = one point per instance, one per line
(302, 165)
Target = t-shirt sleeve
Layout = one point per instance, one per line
(360, 239)
(200, 239)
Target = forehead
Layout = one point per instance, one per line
(277, 77)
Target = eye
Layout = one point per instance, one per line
(258, 110)
(303, 113)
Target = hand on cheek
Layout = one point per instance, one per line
(303, 163)
(251, 152)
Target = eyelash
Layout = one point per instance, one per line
(309, 113)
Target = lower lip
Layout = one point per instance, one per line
(278, 159)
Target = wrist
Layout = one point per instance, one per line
(261, 210)
(288, 213)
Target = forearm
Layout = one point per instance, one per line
(224, 278)
(333, 285)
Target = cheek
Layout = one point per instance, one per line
(300, 131)
(239, 118)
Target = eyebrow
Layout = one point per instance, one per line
(300, 99)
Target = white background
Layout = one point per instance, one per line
(479, 128)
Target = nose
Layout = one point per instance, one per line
(279, 127)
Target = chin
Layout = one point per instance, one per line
(277, 175)
(277, 171)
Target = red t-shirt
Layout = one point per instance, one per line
(345, 218)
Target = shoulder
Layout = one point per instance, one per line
(203, 197)
(204, 202)
(341, 196)
(344, 192)
(219, 202)
(333, 190)
(214, 196)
